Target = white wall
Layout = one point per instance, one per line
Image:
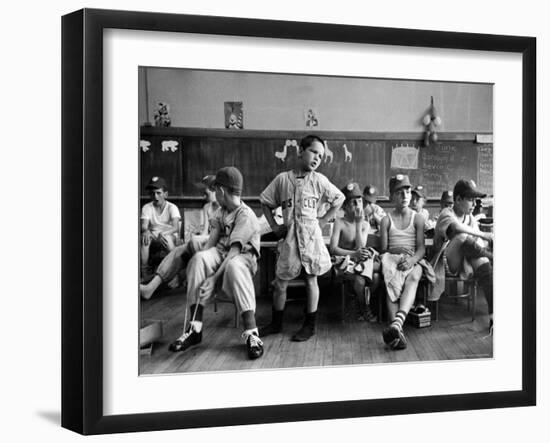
(274, 101)
(30, 271)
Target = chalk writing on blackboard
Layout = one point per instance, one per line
(404, 157)
(485, 168)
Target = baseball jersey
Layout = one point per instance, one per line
(238, 226)
(300, 198)
(160, 222)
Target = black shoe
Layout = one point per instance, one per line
(276, 325)
(188, 339)
(390, 335)
(401, 343)
(254, 347)
(308, 328)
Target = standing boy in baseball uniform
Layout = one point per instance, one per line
(229, 257)
(299, 192)
(159, 223)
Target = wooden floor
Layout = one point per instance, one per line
(454, 336)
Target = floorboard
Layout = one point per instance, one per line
(349, 342)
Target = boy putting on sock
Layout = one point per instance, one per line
(460, 247)
(402, 238)
(299, 192)
(349, 239)
(159, 223)
(227, 262)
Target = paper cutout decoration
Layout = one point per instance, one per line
(347, 154)
(404, 157)
(281, 155)
(144, 145)
(233, 115)
(169, 145)
(311, 117)
(328, 153)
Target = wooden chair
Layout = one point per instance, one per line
(224, 299)
(343, 291)
(470, 295)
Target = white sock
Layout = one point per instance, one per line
(250, 332)
(196, 325)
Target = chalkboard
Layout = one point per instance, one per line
(441, 165)
(485, 168)
(187, 158)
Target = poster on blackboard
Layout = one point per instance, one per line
(404, 157)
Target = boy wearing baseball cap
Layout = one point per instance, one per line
(402, 246)
(226, 262)
(159, 223)
(373, 212)
(299, 192)
(418, 200)
(348, 242)
(170, 270)
(462, 249)
(446, 200)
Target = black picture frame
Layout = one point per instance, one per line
(82, 160)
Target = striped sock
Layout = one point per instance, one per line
(399, 320)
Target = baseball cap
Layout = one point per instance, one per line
(420, 191)
(351, 190)
(156, 183)
(398, 182)
(467, 188)
(369, 193)
(231, 178)
(208, 180)
(447, 197)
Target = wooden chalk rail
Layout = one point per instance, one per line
(297, 134)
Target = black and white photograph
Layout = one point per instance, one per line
(269, 241)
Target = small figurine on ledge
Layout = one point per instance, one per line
(162, 115)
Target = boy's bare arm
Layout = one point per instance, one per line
(212, 238)
(175, 226)
(456, 228)
(420, 239)
(145, 233)
(384, 227)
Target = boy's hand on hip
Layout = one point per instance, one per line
(280, 231)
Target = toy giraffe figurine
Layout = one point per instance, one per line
(281, 155)
(328, 153)
(347, 154)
